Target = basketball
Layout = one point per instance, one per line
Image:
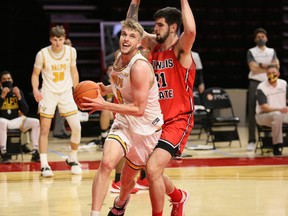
(85, 88)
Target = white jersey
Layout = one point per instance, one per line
(276, 96)
(55, 68)
(197, 60)
(121, 86)
(261, 56)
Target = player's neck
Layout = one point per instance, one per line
(55, 50)
(126, 58)
(170, 41)
(262, 47)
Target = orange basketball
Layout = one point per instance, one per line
(85, 88)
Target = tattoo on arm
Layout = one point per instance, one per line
(133, 12)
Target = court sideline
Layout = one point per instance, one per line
(224, 181)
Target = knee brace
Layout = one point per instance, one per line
(74, 123)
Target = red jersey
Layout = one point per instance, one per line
(175, 83)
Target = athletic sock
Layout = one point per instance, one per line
(117, 177)
(43, 159)
(142, 174)
(176, 195)
(104, 133)
(94, 213)
(157, 214)
(73, 155)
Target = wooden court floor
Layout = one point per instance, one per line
(223, 182)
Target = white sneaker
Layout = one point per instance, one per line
(46, 172)
(75, 167)
(91, 144)
(251, 146)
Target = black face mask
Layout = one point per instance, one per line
(261, 42)
(7, 84)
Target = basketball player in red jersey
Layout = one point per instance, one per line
(175, 72)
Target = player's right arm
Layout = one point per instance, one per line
(35, 77)
(105, 90)
(148, 40)
(186, 40)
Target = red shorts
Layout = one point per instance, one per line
(175, 134)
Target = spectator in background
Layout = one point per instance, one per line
(199, 80)
(271, 108)
(13, 111)
(199, 86)
(258, 58)
(59, 130)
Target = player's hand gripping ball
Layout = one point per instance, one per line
(85, 88)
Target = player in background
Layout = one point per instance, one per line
(57, 64)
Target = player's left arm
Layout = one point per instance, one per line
(187, 38)
(75, 75)
(73, 68)
(140, 80)
(140, 76)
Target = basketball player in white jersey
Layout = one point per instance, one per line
(137, 125)
(57, 64)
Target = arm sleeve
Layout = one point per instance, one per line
(23, 106)
(250, 57)
(261, 97)
(275, 55)
(198, 78)
(1, 99)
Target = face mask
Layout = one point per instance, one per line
(261, 42)
(7, 84)
(272, 78)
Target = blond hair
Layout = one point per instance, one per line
(134, 25)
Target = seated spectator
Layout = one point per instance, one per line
(271, 108)
(13, 108)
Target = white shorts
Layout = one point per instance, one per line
(137, 148)
(64, 101)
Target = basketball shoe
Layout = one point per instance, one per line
(46, 172)
(178, 207)
(115, 210)
(75, 166)
(35, 156)
(115, 188)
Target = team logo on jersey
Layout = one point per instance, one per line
(159, 65)
(43, 108)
